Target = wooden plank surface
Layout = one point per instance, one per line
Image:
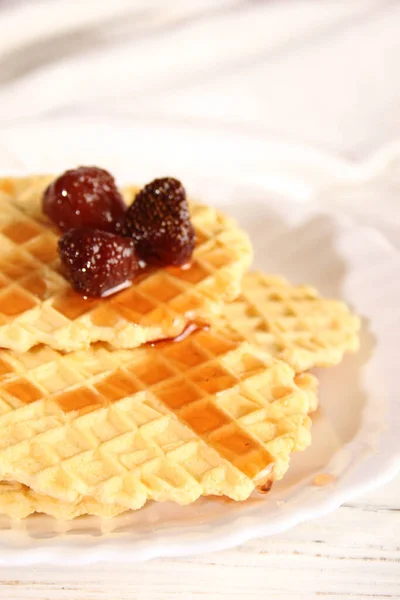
(354, 553)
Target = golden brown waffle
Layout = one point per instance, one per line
(204, 416)
(17, 501)
(37, 304)
(292, 323)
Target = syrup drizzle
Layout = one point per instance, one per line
(265, 487)
(323, 480)
(190, 328)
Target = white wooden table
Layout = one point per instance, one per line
(325, 73)
(350, 554)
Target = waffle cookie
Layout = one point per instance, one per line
(292, 323)
(37, 304)
(18, 501)
(203, 416)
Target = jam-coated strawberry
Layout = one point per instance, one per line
(84, 197)
(159, 222)
(97, 263)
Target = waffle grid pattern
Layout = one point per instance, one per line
(291, 323)
(203, 416)
(37, 304)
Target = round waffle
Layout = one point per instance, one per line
(38, 305)
(17, 501)
(292, 323)
(203, 416)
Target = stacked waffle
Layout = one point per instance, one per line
(96, 418)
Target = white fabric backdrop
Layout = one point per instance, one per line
(321, 72)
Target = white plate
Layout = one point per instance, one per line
(355, 434)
